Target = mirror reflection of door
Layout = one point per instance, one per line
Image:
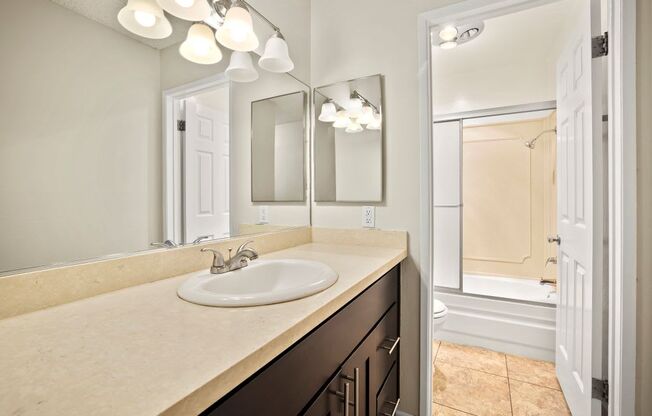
(205, 168)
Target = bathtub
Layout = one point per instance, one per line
(511, 315)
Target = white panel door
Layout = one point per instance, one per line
(206, 173)
(579, 324)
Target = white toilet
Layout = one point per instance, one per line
(439, 312)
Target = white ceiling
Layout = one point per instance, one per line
(105, 12)
(530, 34)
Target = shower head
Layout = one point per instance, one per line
(530, 144)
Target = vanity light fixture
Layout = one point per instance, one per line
(145, 18)
(200, 46)
(241, 68)
(367, 115)
(354, 107)
(192, 10)
(354, 127)
(229, 21)
(237, 31)
(328, 112)
(276, 57)
(377, 122)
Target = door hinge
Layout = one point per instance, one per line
(600, 391)
(181, 125)
(600, 45)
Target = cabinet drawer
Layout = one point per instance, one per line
(386, 346)
(330, 401)
(388, 400)
(287, 384)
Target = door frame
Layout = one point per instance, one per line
(621, 63)
(170, 100)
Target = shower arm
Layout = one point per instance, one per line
(532, 142)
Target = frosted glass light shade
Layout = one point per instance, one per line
(200, 46)
(354, 127)
(192, 10)
(241, 68)
(355, 107)
(276, 57)
(377, 123)
(448, 45)
(367, 115)
(237, 31)
(145, 18)
(342, 120)
(328, 112)
(448, 33)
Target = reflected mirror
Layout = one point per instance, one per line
(113, 142)
(348, 141)
(278, 135)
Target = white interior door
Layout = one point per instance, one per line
(579, 352)
(206, 172)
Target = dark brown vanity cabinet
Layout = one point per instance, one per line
(347, 366)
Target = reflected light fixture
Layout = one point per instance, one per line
(448, 33)
(377, 122)
(276, 57)
(354, 127)
(145, 18)
(367, 115)
(237, 31)
(355, 106)
(328, 112)
(342, 120)
(192, 10)
(241, 68)
(200, 46)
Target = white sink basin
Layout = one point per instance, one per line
(262, 282)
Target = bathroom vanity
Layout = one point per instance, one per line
(351, 358)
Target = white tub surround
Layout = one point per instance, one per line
(143, 351)
(511, 327)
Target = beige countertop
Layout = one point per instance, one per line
(143, 351)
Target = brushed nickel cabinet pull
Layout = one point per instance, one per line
(394, 344)
(346, 397)
(356, 390)
(395, 404)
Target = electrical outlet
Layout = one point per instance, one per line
(263, 214)
(368, 217)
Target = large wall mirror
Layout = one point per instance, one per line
(348, 141)
(278, 137)
(112, 143)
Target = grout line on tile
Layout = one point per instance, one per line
(535, 384)
(509, 387)
(470, 368)
(454, 408)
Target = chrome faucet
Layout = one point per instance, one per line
(241, 259)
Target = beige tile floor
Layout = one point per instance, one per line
(479, 382)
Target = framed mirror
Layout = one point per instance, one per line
(278, 137)
(348, 141)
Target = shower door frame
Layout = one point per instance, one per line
(621, 91)
(482, 113)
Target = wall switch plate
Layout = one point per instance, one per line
(369, 217)
(263, 214)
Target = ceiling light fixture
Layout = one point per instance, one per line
(276, 57)
(200, 46)
(241, 68)
(192, 10)
(448, 33)
(237, 31)
(145, 18)
(448, 45)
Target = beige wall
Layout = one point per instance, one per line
(80, 138)
(509, 193)
(644, 214)
(357, 38)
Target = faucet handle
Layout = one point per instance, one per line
(244, 246)
(218, 260)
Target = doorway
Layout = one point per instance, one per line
(197, 162)
(456, 245)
